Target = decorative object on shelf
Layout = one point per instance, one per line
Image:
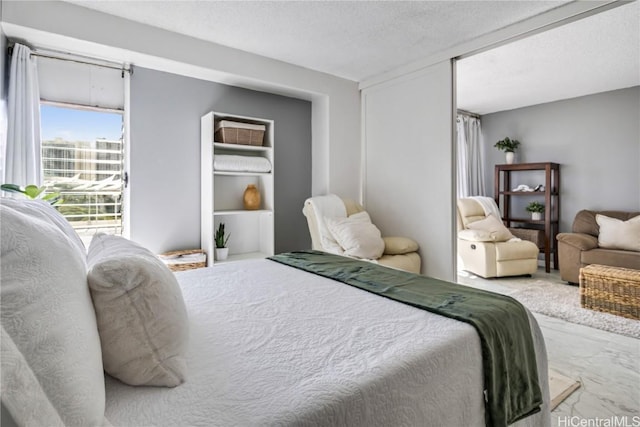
(509, 146)
(536, 209)
(222, 251)
(33, 192)
(251, 198)
(222, 254)
(184, 259)
(231, 132)
(523, 187)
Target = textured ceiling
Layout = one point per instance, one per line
(360, 39)
(596, 54)
(351, 39)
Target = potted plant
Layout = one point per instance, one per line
(222, 251)
(32, 192)
(536, 209)
(509, 146)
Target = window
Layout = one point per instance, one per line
(82, 114)
(83, 159)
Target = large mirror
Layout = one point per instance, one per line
(570, 96)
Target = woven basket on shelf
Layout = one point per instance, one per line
(230, 132)
(613, 290)
(172, 260)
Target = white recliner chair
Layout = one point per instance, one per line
(487, 248)
(399, 252)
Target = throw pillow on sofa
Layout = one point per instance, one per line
(618, 234)
(493, 226)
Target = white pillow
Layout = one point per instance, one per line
(617, 234)
(142, 318)
(30, 406)
(493, 226)
(43, 210)
(357, 236)
(47, 311)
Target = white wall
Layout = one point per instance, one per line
(4, 72)
(336, 109)
(595, 138)
(408, 163)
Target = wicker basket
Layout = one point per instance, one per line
(230, 132)
(530, 234)
(613, 290)
(181, 260)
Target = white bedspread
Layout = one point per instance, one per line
(272, 345)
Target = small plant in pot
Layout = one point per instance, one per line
(221, 239)
(509, 146)
(536, 209)
(33, 192)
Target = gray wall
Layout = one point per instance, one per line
(165, 157)
(595, 139)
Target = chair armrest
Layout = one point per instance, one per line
(475, 236)
(581, 241)
(399, 245)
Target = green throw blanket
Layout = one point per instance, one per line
(508, 353)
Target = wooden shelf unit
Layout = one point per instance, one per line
(504, 194)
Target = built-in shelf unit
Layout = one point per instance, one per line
(251, 231)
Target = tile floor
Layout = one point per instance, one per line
(606, 364)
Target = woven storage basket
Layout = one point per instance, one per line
(530, 234)
(230, 132)
(175, 260)
(612, 290)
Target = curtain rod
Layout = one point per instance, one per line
(467, 113)
(81, 106)
(53, 55)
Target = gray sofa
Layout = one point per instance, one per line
(580, 248)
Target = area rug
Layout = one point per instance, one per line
(560, 387)
(563, 302)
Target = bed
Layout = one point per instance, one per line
(273, 345)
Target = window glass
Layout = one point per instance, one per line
(83, 159)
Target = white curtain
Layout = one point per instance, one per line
(469, 163)
(23, 158)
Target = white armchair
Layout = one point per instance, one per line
(487, 248)
(399, 252)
